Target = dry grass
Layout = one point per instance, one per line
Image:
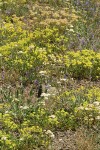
(85, 140)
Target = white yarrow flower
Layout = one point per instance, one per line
(71, 30)
(15, 100)
(81, 108)
(24, 107)
(42, 103)
(52, 91)
(50, 133)
(98, 118)
(0, 55)
(31, 46)
(63, 79)
(20, 52)
(42, 72)
(6, 112)
(96, 103)
(52, 116)
(45, 94)
(4, 138)
(21, 139)
(71, 26)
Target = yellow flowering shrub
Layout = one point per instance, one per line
(83, 64)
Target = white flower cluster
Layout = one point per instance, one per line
(52, 116)
(45, 95)
(15, 100)
(43, 73)
(20, 52)
(50, 133)
(4, 138)
(42, 103)
(63, 79)
(0, 55)
(24, 107)
(52, 91)
(96, 103)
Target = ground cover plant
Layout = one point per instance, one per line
(49, 75)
